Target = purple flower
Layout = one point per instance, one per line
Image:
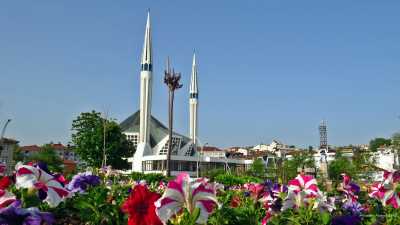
(346, 220)
(82, 181)
(353, 207)
(15, 215)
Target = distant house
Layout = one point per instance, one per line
(210, 151)
(8, 146)
(66, 154)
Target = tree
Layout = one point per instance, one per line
(303, 159)
(18, 156)
(88, 133)
(375, 143)
(257, 168)
(340, 165)
(48, 155)
(363, 162)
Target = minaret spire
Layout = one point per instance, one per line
(146, 80)
(147, 58)
(193, 102)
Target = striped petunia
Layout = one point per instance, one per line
(349, 188)
(186, 193)
(301, 191)
(49, 188)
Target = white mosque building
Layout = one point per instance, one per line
(151, 137)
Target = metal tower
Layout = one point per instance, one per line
(323, 135)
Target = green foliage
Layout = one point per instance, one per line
(248, 212)
(150, 177)
(341, 165)
(374, 144)
(257, 168)
(213, 173)
(363, 162)
(48, 155)
(302, 159)
(99, 206)
(230, 180)
(18, 156)
(88, 136)
(303, 215)
(392, 216)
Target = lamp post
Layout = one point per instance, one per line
(3, 132)
(171, 79)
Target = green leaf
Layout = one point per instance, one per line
(326, 217)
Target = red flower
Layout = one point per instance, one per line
(5, 182)
(140, 207)
(235, 201)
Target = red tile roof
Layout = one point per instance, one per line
(210, 149)
(30, 148)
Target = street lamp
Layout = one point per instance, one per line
(3, 132)
(198, 157)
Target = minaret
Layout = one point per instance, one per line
(193, 102)
(146, 73)
(146, 85)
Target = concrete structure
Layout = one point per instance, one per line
(193, 103)
(8, 146)
(146, 83)
(212, 152)
(150, 136)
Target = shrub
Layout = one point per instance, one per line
(150, 177)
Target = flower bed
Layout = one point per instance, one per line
(34, 195)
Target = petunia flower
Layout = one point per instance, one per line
(140, 207)
(346, 220)
(82, 181)
(388, 190)
(184, 192)
(235, 201)
(349, 188)
(301, 191)
(49, 188)
(353, 207)
(15, 215)
(255, 190)
(377, 191)
(6, 197)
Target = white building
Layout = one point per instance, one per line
(151, 137)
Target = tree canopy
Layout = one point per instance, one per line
(88, 133)
(48, 155)
(341, 165)
(375, 143)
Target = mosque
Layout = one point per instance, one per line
(151, 137)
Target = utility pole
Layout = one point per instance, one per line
(104, 161)
(171, 79)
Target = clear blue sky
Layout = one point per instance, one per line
(267, 69)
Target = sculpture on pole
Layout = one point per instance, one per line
(171, 79)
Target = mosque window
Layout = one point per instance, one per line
(176, 142)
(134, 138)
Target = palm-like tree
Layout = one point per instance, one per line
(171, 79)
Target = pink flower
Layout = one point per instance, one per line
(184, 192)
(49, 188)
(349, 188)
(301, 191)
